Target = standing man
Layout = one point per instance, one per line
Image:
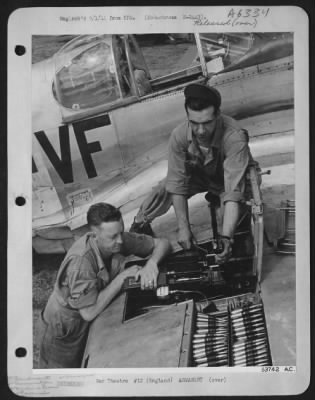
(208, 152)
(91, 275)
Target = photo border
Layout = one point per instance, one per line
(23, 214)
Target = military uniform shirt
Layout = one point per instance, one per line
(224, 165)
(84, 273)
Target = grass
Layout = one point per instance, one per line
(45, 46)
(44, 275)
(160, 58)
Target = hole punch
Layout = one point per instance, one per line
(20, 352)
(20, 201)
(20, 50)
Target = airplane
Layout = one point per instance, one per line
(102, 113)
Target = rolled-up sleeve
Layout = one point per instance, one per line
(236, 161)
(177, 180)
(82, 282)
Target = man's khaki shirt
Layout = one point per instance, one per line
(225, 164)
(84, 272)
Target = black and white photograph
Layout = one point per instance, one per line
(164, 200)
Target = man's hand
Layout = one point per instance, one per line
(148, 275)
(185, 238)
(227, 250)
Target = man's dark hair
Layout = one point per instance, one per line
(102, 212)
(199, 96)
(197, 104)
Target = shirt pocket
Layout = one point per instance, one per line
(192, 163)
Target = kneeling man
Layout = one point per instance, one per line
(91, 275)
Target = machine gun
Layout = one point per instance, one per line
(197, 270)
(183, 268)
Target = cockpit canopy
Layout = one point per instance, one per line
(85, 73)
(93, 71)
(96, 73)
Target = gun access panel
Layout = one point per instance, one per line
(224, 323)
(196, 275)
